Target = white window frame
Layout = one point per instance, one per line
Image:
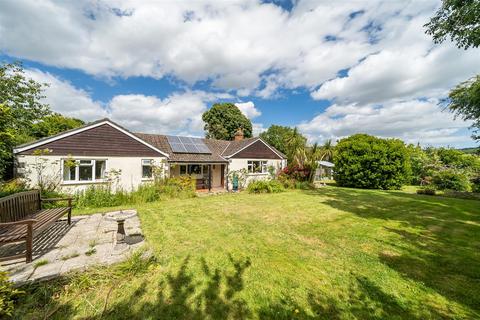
(263, 165)
(76, 179)
(147, 162)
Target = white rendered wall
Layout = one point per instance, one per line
(130, 177)
(238, 164)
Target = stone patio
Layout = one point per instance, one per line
(89, 240)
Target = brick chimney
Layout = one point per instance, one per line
(239, 134)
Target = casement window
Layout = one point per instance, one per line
(183, 169)
(257, 166)
(190, 169)
(84, 170)
(147, 169)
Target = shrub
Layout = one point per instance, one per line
(428, 191)
(450, 179)
(12, 186)
(146, 193)
(364, 161)
(8, 295)
(286, 180)
(101, 196)
(457, 159)
(294, 179)
(296, 172)
(303, 185)
(104, 196)
(265, 186)
(475, 182)
(183, 186)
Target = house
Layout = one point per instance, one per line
(103, 151)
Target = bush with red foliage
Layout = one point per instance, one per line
(296, 172)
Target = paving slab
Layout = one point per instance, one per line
(62, 248)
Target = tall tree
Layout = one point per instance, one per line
(278, 136)
(7, 138)
(223, 120)
(460, 20)
(23, 115)
(53, 124)
(464, 102)
(22, 95)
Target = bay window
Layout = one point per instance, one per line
(84, 170)
(257, 166)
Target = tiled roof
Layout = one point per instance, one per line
(62, 133)
(220, 148)
(160, 141)
(235, 146)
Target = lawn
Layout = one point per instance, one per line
(332, 253)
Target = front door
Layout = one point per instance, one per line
(222, 175)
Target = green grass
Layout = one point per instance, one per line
(40, 263)
(331, 253)
(70, 256)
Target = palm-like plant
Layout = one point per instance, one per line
(295, 144)
(327, 151)
(307, 158)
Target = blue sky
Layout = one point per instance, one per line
(329, 69)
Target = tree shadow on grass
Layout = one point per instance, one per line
(363, 300)
(442, 250)
(181, 295)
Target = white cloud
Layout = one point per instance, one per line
(180, 112)
(257, 129)
(412, 121)
(399, 75)
(66, 99)
(247, 46)
(248, 109)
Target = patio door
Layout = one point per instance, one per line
(205, 175)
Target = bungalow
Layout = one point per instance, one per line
(101, 151)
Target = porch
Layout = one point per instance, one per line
(208, 176)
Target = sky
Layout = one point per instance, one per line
(330, 68)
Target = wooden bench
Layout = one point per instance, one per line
(22, 218)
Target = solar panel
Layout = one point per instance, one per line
(202, 148)
(178, 147)
(191, 148)
(173, 139)
(185, 140)
(187, 145)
